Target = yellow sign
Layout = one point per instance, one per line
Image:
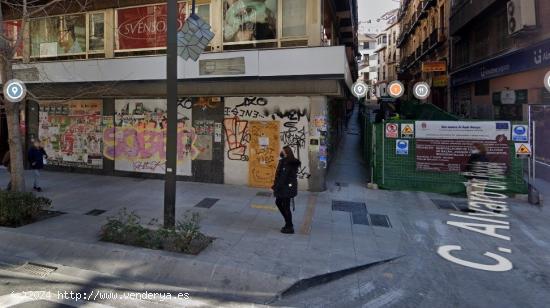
(407, 131)
(523, 149)
(434, 66)
(440, 81)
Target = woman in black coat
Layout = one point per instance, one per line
(285, 186)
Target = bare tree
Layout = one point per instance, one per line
(22, 10)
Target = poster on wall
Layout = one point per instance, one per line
(204, 130)
(474, 130)
(137, 143)
(249, 20)
(446, 146)
(71, 133)
(58, 35)
(144, 27)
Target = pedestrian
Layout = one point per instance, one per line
(37, 155)
(478, 157)
(285, 186)
(6, 162)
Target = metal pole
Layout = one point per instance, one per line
(529, 128)
(533, 148)
(383, 152)
(172, 115)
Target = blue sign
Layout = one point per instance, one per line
(520, 133)
(14, 90)
(402, 147)
(537, 56)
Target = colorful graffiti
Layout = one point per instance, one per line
(237, 136)
(137, 142)
(71, 133)
(292, 131)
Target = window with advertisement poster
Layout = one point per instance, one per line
(12, 31)
(144, 27)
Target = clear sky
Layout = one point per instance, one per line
(372, 10)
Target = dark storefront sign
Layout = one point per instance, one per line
(534, 57)
(513, 112)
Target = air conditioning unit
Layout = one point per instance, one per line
(521, 15)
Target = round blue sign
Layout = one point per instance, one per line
(402, 145)
(519, 130)
(14, 91)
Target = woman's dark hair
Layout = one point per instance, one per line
(288, 152)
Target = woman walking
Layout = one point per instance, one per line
(36, 158)
(285, 186)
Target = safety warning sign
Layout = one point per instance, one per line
(407, 131)
(392, 130)
(523, 149)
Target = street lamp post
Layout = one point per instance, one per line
(172, 115)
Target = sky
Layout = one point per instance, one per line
(373, 9)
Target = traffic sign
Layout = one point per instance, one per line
(396, 89)
(520, 133)
(523, 149)
(402, 147)
(421, 90)
(360, 89)
(14, 90)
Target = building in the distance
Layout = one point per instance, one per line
(501, 53)
(368, 63)
(276, 73)
(388, 58)
(424, 47)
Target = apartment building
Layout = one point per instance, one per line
(500, 55)
(276, 73)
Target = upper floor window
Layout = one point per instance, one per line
(144, 27)
(249, 20)
(58, 36)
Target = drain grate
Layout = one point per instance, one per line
(35, 269)
(95, 212)
(207, 203)
(380, 220)
(358, 211)
(263, 194)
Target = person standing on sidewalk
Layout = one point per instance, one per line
(285, 186)
(6, 163)
(36, 159)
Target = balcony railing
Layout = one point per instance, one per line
(420, 13)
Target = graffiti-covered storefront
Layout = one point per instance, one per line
(232, 140)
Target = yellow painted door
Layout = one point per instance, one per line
(264, 153)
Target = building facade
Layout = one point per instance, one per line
(388, 55)
(501, 53)
(424, 47)
(268, 79)
(368, 63)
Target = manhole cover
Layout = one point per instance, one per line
(35, 269)
(95, 212)
(263, 194)
(207, 203)
(380, 220)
